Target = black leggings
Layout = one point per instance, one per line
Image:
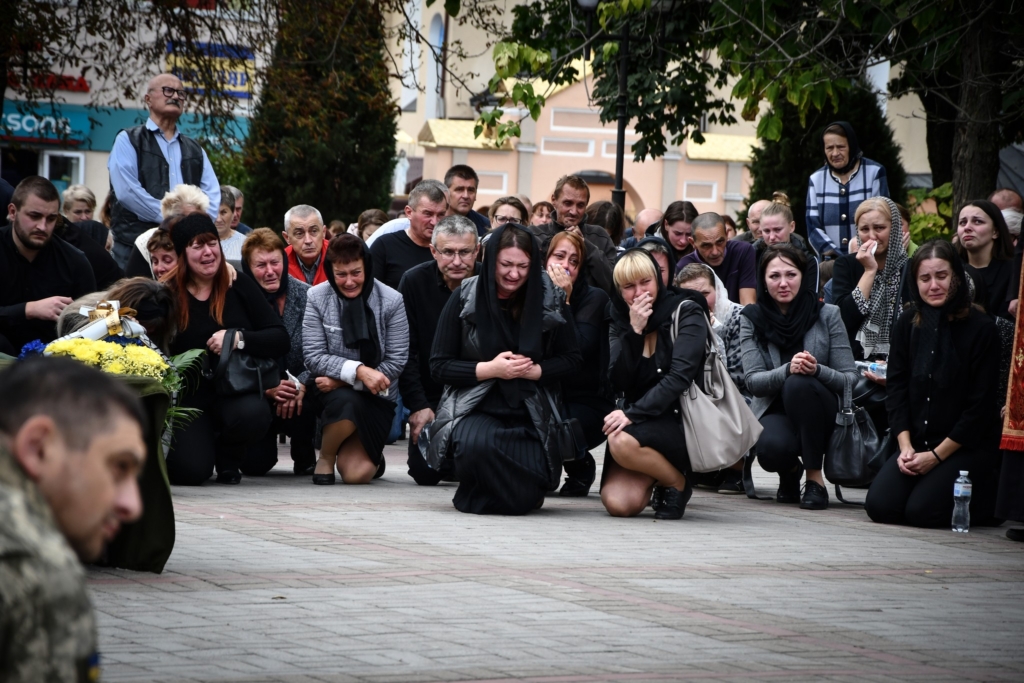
(927, 500)
(799, 429)
(220, 435)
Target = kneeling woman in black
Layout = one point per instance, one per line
(645, 438)
(941, 397)
(796, 362)
(501, 344)
(355, 340)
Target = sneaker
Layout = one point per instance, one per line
(732, 483)
(673, 502)
(789, 487)
(657, 494)
(815, 496)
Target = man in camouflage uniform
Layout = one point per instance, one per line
(71, 448)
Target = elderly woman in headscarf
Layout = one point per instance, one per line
(836, 189)
(870, 286)
(942, 399)
(503, 343)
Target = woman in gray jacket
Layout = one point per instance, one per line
(355, 339)
(796, 359)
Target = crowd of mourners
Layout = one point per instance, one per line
(473, 335)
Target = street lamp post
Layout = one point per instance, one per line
(589, 7)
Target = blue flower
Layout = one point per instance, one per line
(33, 348)
(124, 341)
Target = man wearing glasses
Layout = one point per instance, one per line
(307, 244)
(148, 160)
(426, 289)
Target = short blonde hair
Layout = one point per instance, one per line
(874, 204)
(79, 193)
(632, 267)
(184, 195)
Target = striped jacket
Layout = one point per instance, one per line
(831, 206)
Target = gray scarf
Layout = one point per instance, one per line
(873, 334)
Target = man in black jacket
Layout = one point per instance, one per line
(570, 198)
(39, 274)
(426, 289)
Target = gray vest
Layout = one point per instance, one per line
(154, 176)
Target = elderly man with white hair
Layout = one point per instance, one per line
(306, 234)
(147, 161)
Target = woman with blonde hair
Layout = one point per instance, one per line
(181, 201)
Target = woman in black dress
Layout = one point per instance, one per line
(208, 304)
(645, 438)
(941, 397)
(985, 246)
(502, 345)
(587, 393)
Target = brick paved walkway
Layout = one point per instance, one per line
(278, 580)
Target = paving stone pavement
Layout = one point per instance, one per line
(279, 580)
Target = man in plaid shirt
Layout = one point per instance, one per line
(836, 190)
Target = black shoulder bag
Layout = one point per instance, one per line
(240, 373)
(567, 433)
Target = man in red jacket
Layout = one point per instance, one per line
(305, 232)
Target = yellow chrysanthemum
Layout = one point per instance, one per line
(115, 367)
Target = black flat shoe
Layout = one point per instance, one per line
(673, 502)
(302, 469)
(1015, 535)
(815, 496)
(229, 478)
(380, 468)
(323, 479)
(657, 496)
(732, 483)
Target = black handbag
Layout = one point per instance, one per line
(853, 445)
(567, 434)
(240, 373)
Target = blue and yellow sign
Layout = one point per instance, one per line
(233, 67)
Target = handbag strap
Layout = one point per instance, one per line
(554, 407)
(748, 477)
(839, 495)
(226, 349)
(710, 347)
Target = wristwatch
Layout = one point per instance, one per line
(241, 341)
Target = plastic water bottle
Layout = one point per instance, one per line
(878, 368)
(962, 503)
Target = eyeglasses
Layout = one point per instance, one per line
(173, 92)
(501, 220)
(463, 254)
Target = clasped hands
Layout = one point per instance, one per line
(913, 463)
(803, 363)
(288, 398)
(375, 381)
(508, 365)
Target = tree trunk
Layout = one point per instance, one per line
(976, 143)
(938, 99)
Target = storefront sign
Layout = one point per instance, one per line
(43, 124)
(233, 66)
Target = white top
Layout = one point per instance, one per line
(393, 225)
(232, 246)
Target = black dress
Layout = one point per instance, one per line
(992, 286)
(499, 458)
(372, 415)
(587, 393)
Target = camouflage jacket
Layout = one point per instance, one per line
(47, 626)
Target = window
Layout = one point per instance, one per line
(565, 147)
(63, 168)
(700, 191)
(493, 182)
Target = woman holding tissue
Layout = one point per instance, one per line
(355, 339)
(869, 286)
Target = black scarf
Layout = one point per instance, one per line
(931, 346)
(358, 324)
(786, 330)
(282, 291)
(852, 143)
(665, 303)
(495, 329)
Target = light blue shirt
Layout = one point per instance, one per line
(124, 175)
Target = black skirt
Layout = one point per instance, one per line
(372, 416)
(665, 435)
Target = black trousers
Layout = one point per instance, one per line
(261, 457)
(220, 436)
(797, 426)
(927, 500)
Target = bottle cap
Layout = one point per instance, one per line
(963, 473)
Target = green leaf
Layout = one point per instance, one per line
(770, 127)
(453, 7)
